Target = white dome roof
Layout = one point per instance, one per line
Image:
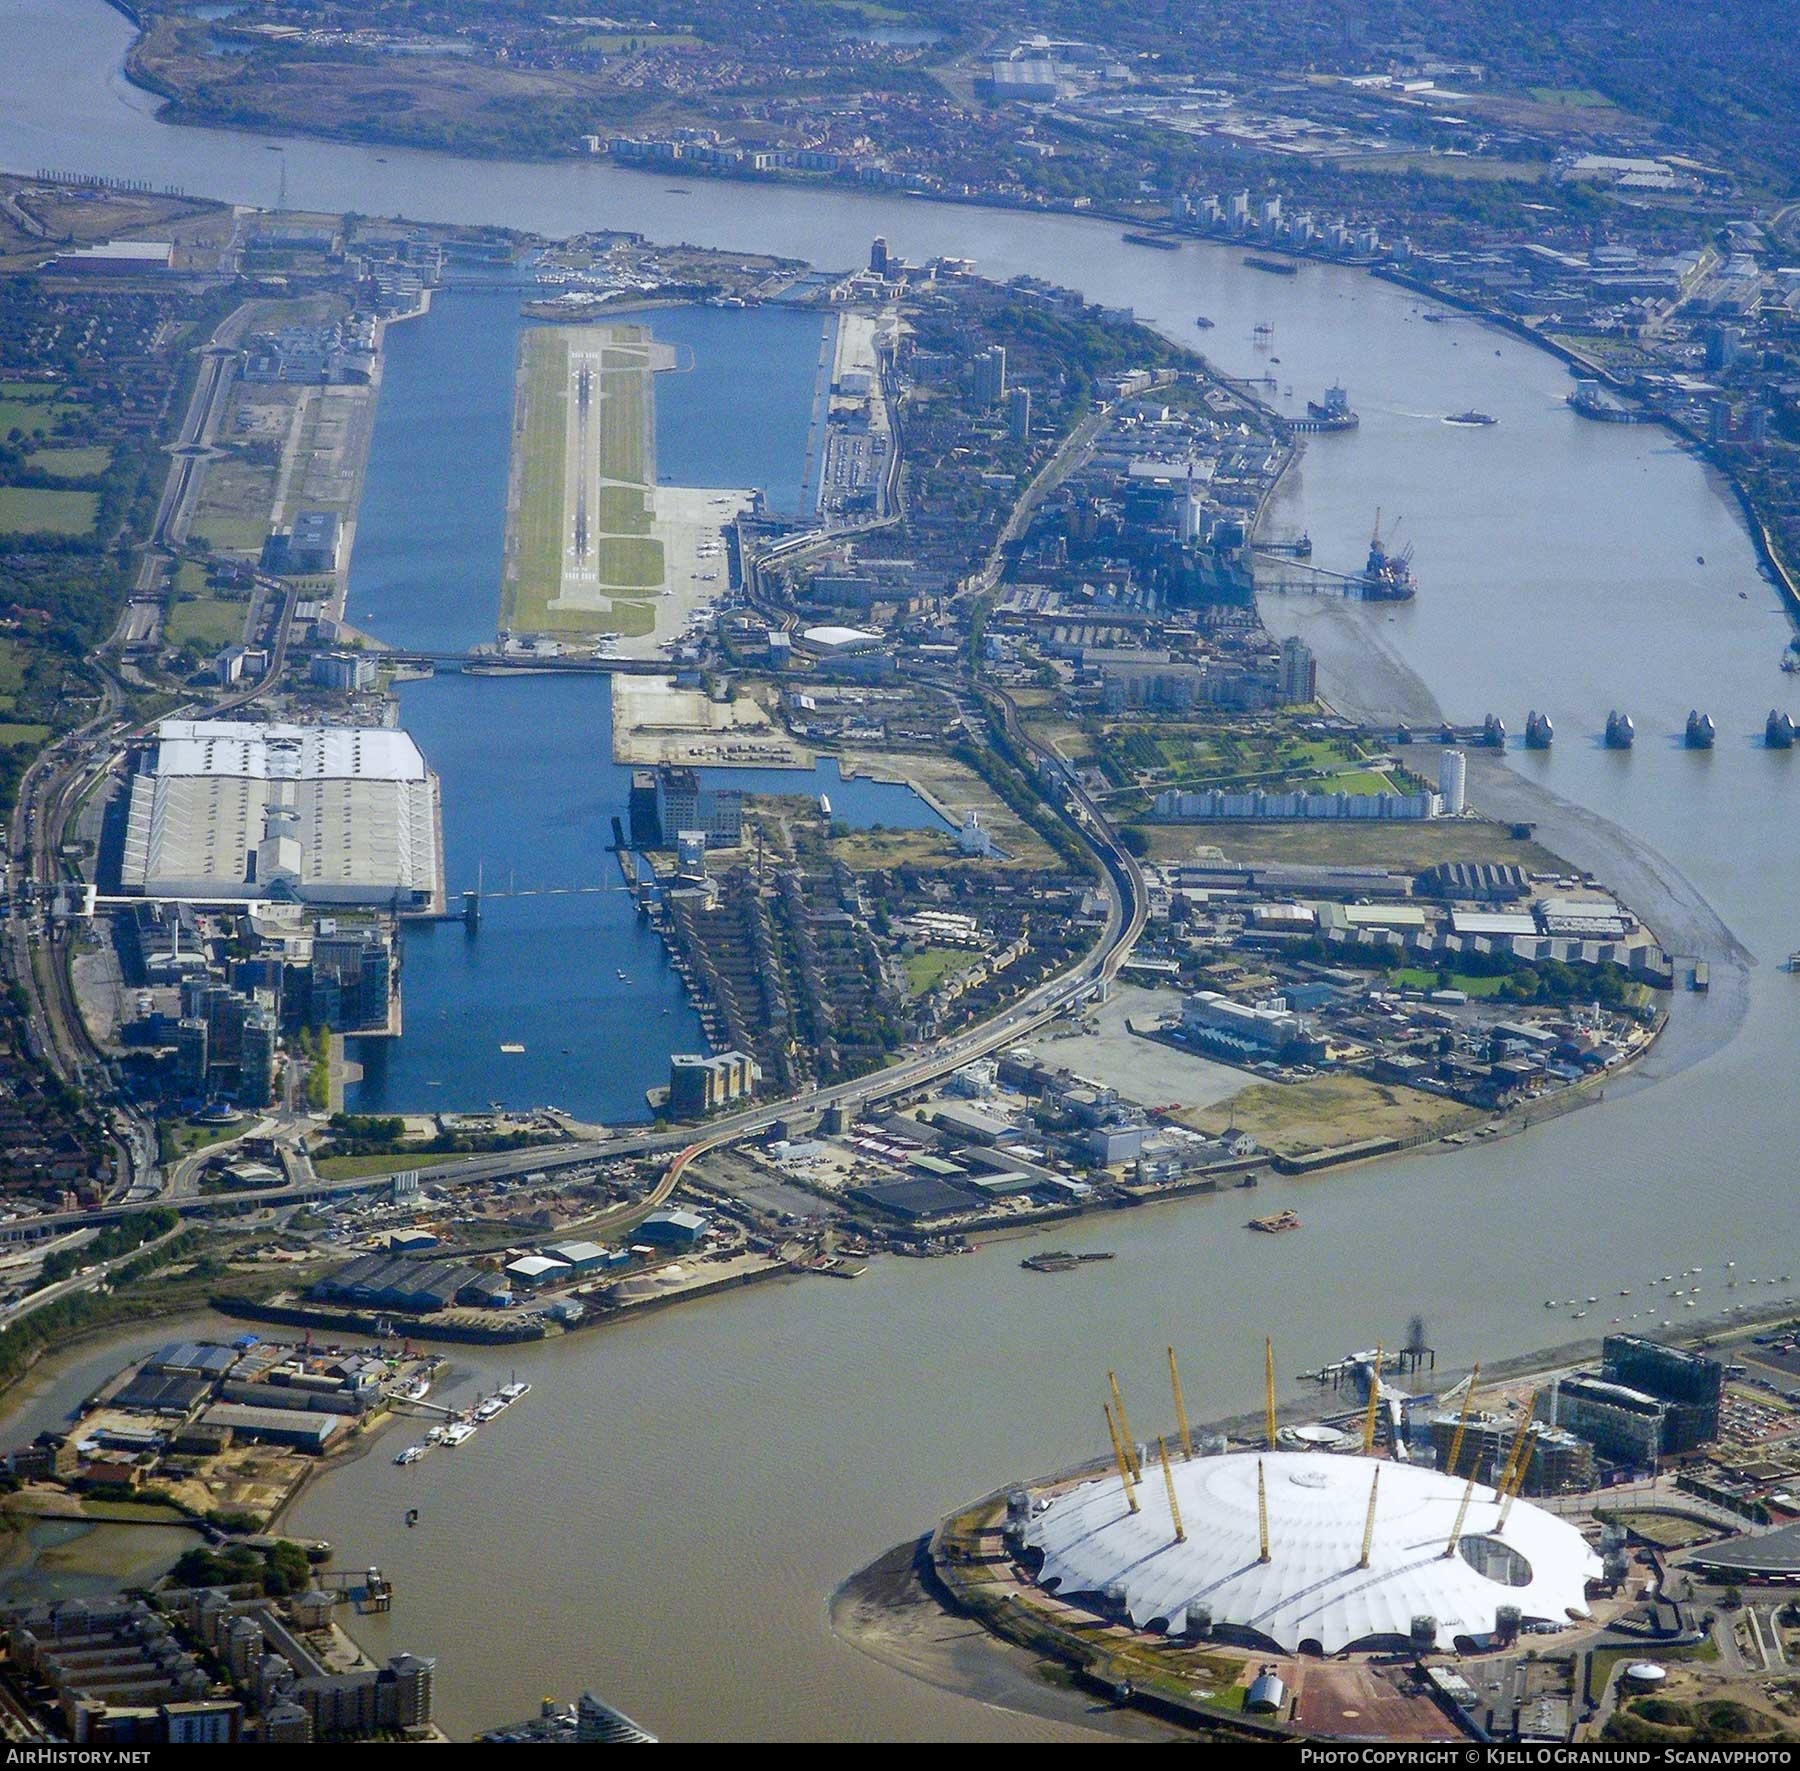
(1311, 1589)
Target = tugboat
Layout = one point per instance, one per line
(1778, 734)
(1386, 577)
(1700, 731)
(1539, 733)
(1621, 734)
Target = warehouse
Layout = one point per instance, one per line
(295, 1427)
(1279, 1549)
(227, 811)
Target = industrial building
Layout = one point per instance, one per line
(225, 811)
(672, 1228)
(389, 1282)
(1238, 1030)
(1304, 1552)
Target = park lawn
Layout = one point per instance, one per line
(212, 621)
(29, 390)
(1363, 781)
(926, 967)
(1410, 977)
(12, 732)
(34, 415)
(629, 562)
(182, 1137)
(73, 464)
(622, 510)
(25, 510)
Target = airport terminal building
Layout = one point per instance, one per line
(228, 811)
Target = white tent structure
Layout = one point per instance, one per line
(1313, 1591)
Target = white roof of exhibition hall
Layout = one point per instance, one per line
(1312, 1588)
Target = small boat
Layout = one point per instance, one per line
(410, 1455)
(513, 1391)
(512, 1047)
(460, 1432)
(1203, 322)
(412, 1517)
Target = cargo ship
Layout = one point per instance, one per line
(1471, 418)
(1331, 413)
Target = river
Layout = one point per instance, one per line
(664, 1516)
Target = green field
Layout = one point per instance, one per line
(621, 510)
(33, 416)
(622, 427)
(1410, 977)
(211, 621)
(24, 510)
(13, 733)
(630, 561)
(929, 964)
(72, 464)
(538, 522)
